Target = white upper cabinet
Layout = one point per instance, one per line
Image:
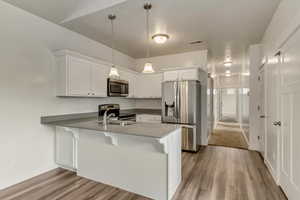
(171, 76)
(181, 75)
(80, 77)
(189, 74)
(99, 74)
(131, 78)
(149, 86)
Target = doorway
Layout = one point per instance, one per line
(228, 126)
(228, 107)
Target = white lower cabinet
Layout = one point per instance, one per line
(66, 148)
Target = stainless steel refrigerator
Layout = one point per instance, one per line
(181, 104)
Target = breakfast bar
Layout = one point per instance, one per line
(143, 158)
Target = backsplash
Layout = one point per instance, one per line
(148, 103)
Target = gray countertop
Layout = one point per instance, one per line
(89, 121)
(153, 130)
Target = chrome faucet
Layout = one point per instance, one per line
(106, 118)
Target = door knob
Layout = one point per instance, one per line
(262, 116)
(278, 123)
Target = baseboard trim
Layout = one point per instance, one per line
(272, 171)
(24, 179)
(244, 135)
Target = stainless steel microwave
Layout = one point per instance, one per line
(117, 88)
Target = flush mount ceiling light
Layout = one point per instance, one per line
(113, 70)
(160, 38)
(196, 42)
(228, 75)
(148, 68)
(227, 72)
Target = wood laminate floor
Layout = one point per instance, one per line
(215, 173)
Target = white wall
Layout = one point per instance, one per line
(233, 81)
(189, 59)
(148, 103)
(282, 25)
(27, 90)
(286, 21)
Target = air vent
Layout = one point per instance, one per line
(196, 42)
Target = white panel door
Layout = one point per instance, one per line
(261, 110)
(290, 118)
(79, 76)
(272, 132)
(99, 75)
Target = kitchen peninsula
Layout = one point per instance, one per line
(143, 158)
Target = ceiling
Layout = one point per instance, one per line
(227, 27)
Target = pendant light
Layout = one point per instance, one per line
(113, 70)
(148, 65)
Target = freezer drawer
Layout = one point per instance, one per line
(189, 139)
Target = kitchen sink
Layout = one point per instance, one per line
(119, 122)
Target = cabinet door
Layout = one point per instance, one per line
(155, 81)
(190, 74)
(141, 89)
(99, 75)
(79, 77)
(131, 78)
(149, 86)
(170, 76)
(65, 147)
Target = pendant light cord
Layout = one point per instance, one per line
(112, 18)
(148, 7)
(112, 43)
(148, 41)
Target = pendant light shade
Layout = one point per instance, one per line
(148, 68)
(113, 70)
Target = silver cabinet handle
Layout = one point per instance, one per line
(278, 123)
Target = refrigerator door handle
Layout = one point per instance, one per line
(178, 101)
(175, 108)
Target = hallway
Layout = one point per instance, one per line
(214, 173)
(228, 135)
